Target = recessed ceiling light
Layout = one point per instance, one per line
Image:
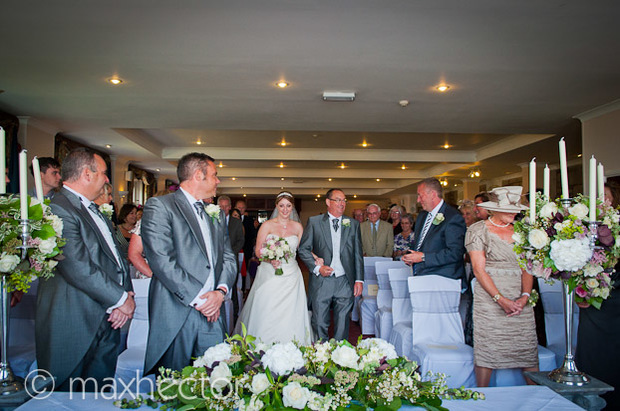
(579, 155)
(221, 165)
(443, 87)
(115, 81)
(245, 195)
(158, 169)
(365, 144)
(354, 195)
(108, 146)
(198, 142)
(403, 167)
(281, 165)
(282, 178)
(318, 196)
(234, 178)
(283, 143)
(282, 84)
(329, 179)
(446, 146)
(378, 179)
(342, 166)
(316, 199)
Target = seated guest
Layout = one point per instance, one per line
(481, 213)
(50, 177)
(127, 218)
(359, 215)
(377, 235)
(504, 327)
(467, 211)
(403, 241)
(105, 197)
(395, 215)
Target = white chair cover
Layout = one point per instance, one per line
(437, 330)
(130, 365)
(21, 346)
(401, 334)
(367, 304)
(383, 315)
(553, 305)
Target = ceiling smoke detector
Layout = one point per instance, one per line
(338, 96)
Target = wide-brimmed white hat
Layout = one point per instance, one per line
(508, 200)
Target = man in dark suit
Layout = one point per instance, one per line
(235, 232)
(81, 309)
(439, 235)
(250, 237)
(337, 240)
(188, 249)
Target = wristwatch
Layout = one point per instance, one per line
(222, 291)
(422, 259)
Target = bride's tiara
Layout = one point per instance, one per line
(284, 193)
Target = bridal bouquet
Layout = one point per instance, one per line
(557, 246)
(244, 374)
(276, 248)
(43, 247)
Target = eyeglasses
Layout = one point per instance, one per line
(338, 200)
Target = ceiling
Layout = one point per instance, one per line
(518, 71)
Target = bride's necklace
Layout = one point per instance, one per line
(498, 225)
(284, 223)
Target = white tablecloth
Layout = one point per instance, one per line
(523, 398)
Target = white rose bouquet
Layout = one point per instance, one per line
(44, 244)
(276, 249)
(324, 376)
(557, 246)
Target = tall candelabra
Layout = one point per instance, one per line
(8, 382)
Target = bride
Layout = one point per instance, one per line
(276, 309)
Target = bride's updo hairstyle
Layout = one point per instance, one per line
(285, 194)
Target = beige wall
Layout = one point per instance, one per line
(601, 135)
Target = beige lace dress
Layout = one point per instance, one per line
(500, 341)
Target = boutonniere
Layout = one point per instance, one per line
(106, 210)
(438, 219)
(213, 211)
(346, 222)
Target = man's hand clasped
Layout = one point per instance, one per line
(119, 316)
(211, 307)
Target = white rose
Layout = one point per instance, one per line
(283, 358)
(518, 238)
(579, 210)
(57, 224)
(604, 293)
(548, 210)
(558, 226)
(47, 246)
(592, 283)
(8, 262)
(615, 217)
(220, 376)
(592, 270)
(345, 356)
(294, 395)
(538, 238)
(254, 405)
(260, 383)
(279, 252)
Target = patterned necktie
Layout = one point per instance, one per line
(335, 222)
(427, 224)
(374, 234)
(200, 208)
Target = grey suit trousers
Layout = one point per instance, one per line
(334, 292)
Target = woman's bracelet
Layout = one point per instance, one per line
(526, 294)
(496, 297)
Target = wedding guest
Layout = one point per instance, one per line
(235, 233)
(139, 213)
(404, 241)
(377, 235)
(359, 215)
(598, 335)
(235, 213)
(504, 327)
(250, 231)
(395, 215)
(481, 213)
(50, 177)
(467, 211)
(127, 218)
(81, 309)
(384, 214)
(105, 197)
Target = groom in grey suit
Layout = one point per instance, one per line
(337, 240)
(81, 309)
(193, 266)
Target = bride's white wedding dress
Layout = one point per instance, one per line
(276, 309)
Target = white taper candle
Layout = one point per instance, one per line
(23, 184)
(38, 186)
(592, 189)
(563, 169)
(533, 191)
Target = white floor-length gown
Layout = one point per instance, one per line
(276, 309)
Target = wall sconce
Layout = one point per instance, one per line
(444, 182)
(474, 173)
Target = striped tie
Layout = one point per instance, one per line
(427, 224)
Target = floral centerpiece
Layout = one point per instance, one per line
(557, 246)
(43, 246)
(244, 374)
(276, 249)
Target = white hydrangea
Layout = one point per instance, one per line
(8, 262)
(220, 352)
(294, 395)
(255, 404)
(385, 348)
(579, 210)
(538, 238)
(260, 383)
(283, 358)
(323, 352)
(345, 356)
(548, 210)
(570, 255)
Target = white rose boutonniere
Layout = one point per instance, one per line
(439, 218)
(106, 210)
(346, 222)
(213, 211)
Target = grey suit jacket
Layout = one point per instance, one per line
(72, 304)
(235, 232)
(385, 239)
(317, 239)
(176, 251)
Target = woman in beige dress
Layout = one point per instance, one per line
(504, 327)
